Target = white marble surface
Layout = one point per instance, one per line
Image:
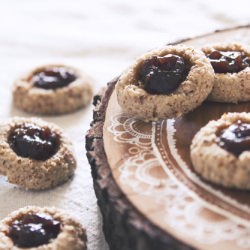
(102, 37)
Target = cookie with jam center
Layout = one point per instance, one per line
(220, 151)
(231, 63)
(35, 154)
(41, 228)
(52, 90)
(165, 83)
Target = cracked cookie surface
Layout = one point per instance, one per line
(28, 227)
(29, 160)
(52, 90)
(220, 151)
(234, 86)
(189, 94)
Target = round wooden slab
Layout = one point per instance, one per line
(148, 193)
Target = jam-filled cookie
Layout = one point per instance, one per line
(52, 89)
(39, 228)
(220, 151)
(232, 72)
(35, 154)
(165, 83)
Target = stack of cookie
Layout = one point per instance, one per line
(174, 80)
(37, 155)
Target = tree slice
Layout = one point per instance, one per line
(133, 214)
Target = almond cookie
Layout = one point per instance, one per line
(220, 151)
(35, 154)
(39, 228)
(52, 89)
(165, 83)
(232, 73)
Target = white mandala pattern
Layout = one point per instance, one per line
(181, 209)
(124, 130)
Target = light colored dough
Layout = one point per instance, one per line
(216, 164)
(230, 87)
(34, 174)
(72, 235)
(51, 102)
(191, 93)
